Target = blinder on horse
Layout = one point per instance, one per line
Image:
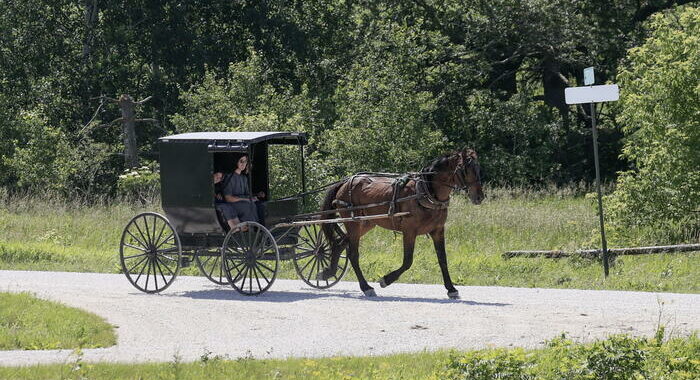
(461, 171)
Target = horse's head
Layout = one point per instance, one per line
(468, 173)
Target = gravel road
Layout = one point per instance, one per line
(194, 317)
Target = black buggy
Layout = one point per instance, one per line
(154, 247)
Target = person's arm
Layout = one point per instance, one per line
(233, 198)
(229, 191)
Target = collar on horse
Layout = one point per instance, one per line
(426, 198)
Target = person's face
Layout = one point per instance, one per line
(218, 176)
(242, 163)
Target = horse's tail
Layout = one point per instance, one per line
(328, 228)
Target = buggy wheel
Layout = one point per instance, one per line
(209, 264)
(250, 258)
(150, 252)
(313, 256)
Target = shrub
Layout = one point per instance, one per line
(661, 118)
(488, 365)
(139, 183)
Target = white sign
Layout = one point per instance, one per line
(588, 76)
(592, 94)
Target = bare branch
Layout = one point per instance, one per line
(144, 100)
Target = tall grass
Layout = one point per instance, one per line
(50, 233)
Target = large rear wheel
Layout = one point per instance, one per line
(250, 258)
(150, 252)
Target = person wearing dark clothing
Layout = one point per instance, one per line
(226, 209)
(237, 192)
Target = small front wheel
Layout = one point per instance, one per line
(150, 252)
(209, 264)
(250, 258)
(313, 256)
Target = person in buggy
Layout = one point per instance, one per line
(233, 196)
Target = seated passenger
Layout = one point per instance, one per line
(237, 192)
(226, 209)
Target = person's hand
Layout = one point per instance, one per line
(219, 197)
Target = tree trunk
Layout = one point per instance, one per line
(127, 105)
(91, 10)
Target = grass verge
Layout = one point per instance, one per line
(72, 236)
(618, 357)
(28, 323)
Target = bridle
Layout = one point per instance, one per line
(460, 173)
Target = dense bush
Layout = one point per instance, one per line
(661, 115)
(139, 183)
(619, 357)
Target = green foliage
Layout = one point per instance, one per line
(617, 357)
(28, 323)
(244, 100)
(487, 365)
(45, 159)
(384, 118)
(139, 183)
(519, 139)
(41, 158)
(661, 115)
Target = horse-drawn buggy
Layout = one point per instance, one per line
(247, 256)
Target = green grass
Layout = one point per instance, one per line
(618, 357)
(70, 236)
(28, 323)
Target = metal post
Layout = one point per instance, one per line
(606, 267)
(303, 175)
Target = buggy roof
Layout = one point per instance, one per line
(294, 138)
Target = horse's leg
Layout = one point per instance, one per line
(354, 257)
(438, 236)
(409, 242)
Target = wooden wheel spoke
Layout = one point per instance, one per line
(137, 264)
(135, 238)
(147, 241)
(135, 247)
(161, 271)
(155, 275)
(263, 275)
(313, 258)
(257, 279)
(148, 230)
(244, 271)
(169, 238)
(135, 256)
(266, 267)
(148, 273)
(148, 261)
(160, 235)
(165, 266)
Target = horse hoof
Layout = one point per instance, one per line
(382, 283)
(370, 293)
(453, 295)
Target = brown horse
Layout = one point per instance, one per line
(427, 196)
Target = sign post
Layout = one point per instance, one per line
(593, 95)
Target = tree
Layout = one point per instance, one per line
(660, 101)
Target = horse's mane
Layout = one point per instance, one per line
(438, 164)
